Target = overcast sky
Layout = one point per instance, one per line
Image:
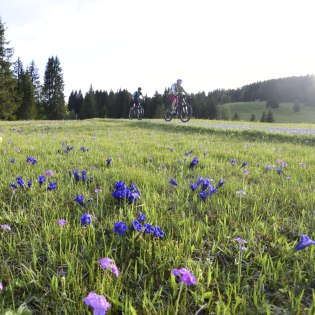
(123, 44)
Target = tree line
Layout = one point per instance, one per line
(23, 96)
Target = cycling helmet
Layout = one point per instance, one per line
(139, 89)
(179, 81)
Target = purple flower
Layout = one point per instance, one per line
(185, 276)
(304, 242)
(268, 167)
(188, 153)
(108, 161)
(232, 161)
(52, 186)
(62, 222)
(240, 240)
(173, 182)
(83, 173)
(107, 263)
(279, 170)
(241, 192)
(120, 228)
(12, 161)
(148, 229)
(244, 164)
(194, 162)
(97, 302)
(79, 199)
(29, 184)
(6, 227)
(171, 149)
(98, 190)
(1, 286)
(86, 219)
(13, 185)
(246, 172)
(121, 192)
(83, 149)
(49, 173)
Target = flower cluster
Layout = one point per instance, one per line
(206, 187)
(147, 228)
(31, 160)
(86, 219)
(122, 192)
(185, 276)
(83, 175)
(20, 183)
(80, 200)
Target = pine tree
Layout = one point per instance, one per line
(53, 96)
(269, 117)
(8, 104)
(35, 79)
(263, 117)
(252, 118)
(27, 109)
(89, 105)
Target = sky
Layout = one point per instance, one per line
(126, 44)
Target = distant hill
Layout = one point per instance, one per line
(283, 114)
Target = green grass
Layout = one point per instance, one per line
(283, 114)
(49, 269)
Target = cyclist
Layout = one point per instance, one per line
(135, 100)
(175, 90)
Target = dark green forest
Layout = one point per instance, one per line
(24, 97)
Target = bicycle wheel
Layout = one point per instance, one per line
(168, 116)
(140, 113)
(130, 115)
(185, 113)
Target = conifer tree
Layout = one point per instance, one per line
(35, 79)
(8, 104)
(53, 95)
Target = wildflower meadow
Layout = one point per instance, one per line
(129, 217)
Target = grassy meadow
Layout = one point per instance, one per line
(238, 241)
(283, 114)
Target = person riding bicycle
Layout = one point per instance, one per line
(175, 91)
(135, 100)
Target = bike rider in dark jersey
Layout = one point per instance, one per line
(136, 98)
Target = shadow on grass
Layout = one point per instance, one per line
(241, 134)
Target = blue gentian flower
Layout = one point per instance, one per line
(148, 229)
(232, 161)
(193, 187)
(194, 162)
(31, 160)
(20, 182)
(83, 173)
(83, 149)
(120, 228)
(304, 242)
(171, 149)
(173, 182)
(13, 185)
(86, 219)
(188, 153)
(12, 161)
(141, 217)
(76, 175)
(79, 199)
(158, 232)
(52, 186)
(220, 183)
(279, 170)
(29, 184)
(41, 180)
(108, 161)
(137, 226)
(244, 164)
(268, 167)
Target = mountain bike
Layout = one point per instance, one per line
(136, 112)
(183, 110)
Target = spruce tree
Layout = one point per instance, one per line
(53, 96)
(35, 79)
(8, 104)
